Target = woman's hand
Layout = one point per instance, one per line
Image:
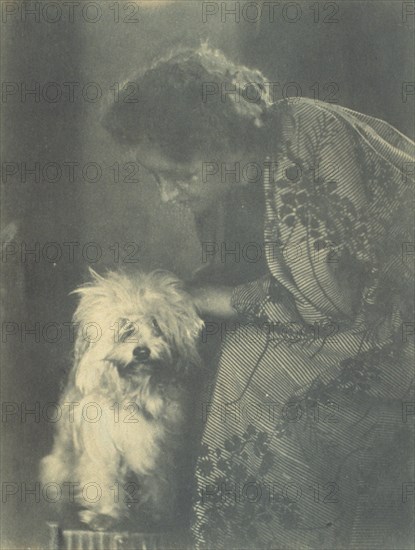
(212, 300)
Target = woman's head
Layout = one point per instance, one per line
(186, 105)
(194, 106)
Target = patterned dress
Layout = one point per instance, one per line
(308, 431)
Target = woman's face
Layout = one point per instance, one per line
(198, 184)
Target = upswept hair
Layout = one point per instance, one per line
(173, 113)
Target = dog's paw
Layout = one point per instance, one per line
(96, 522)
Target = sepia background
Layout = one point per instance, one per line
(367, 53)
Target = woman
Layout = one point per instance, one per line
(306, 443)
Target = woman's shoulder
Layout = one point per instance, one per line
(300, 104)
(297, 118)
(312, 110)
(311, 116)
(308, 109)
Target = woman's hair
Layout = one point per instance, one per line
(190, 101)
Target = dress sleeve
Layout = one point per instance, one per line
(265, 301)
(296, 206)
(249, 299)
(333, 206)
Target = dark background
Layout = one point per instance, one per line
(367, 53)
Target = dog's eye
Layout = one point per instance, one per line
(127, 329)
(156, 328)
(127, 332)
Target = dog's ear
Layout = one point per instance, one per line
(95, 276)
(188, 327)
(81, 345)
(96, 280)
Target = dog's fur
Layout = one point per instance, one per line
(134, 446)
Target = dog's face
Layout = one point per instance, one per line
(131, 325)
(140, 343)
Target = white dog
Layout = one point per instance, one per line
(128, 398)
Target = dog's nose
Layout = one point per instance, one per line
(141, 353)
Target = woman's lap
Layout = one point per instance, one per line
(281, 471)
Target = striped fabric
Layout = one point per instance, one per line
(308, 440)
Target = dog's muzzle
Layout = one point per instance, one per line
(141, 353)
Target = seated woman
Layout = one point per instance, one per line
(307, 434)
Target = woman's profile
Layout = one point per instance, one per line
(305, 442)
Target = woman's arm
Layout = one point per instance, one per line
(213, 300)
(226, 302)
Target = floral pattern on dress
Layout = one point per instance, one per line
(236, 514)
(365, 213)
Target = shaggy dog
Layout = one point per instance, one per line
(128, 399)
